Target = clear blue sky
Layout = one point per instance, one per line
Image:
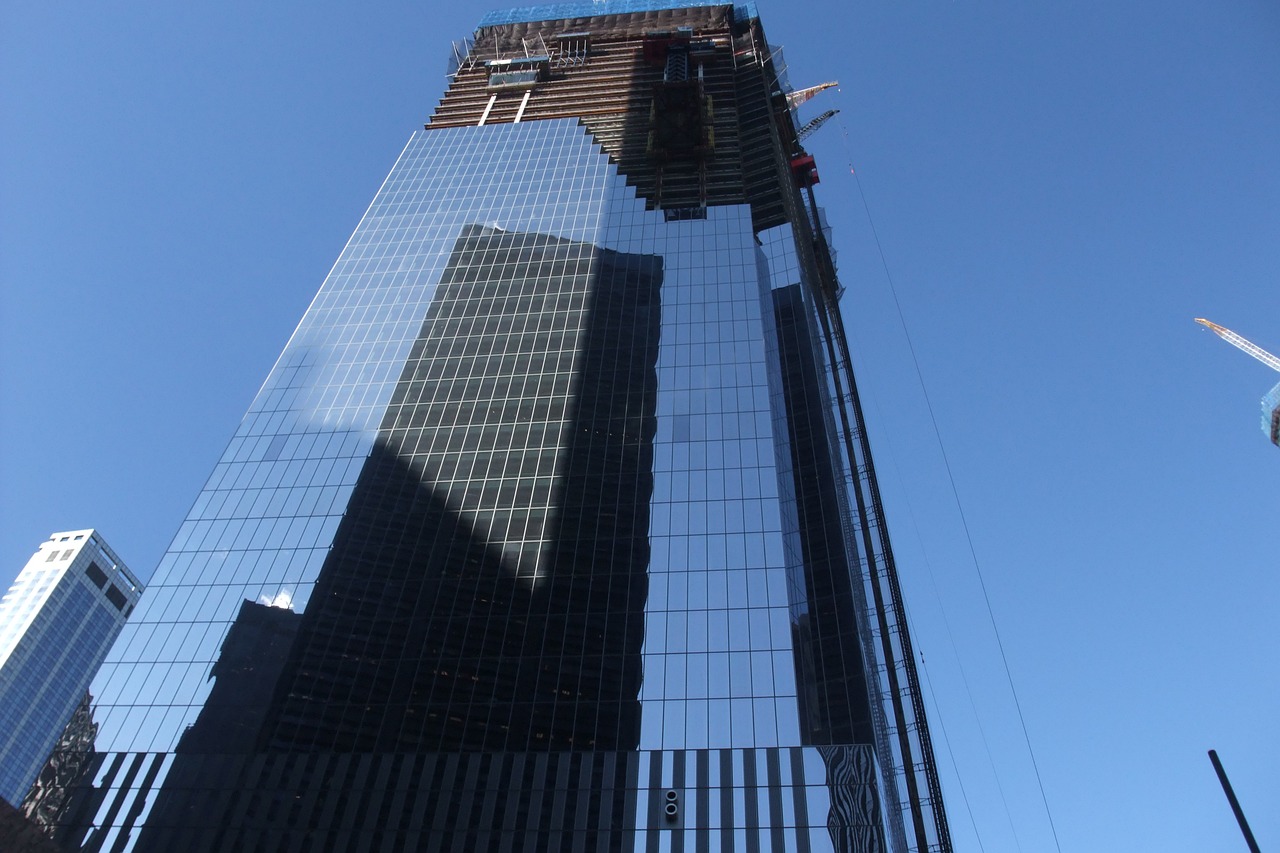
(1059, 188)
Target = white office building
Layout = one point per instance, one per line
(57, 622)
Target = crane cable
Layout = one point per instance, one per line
(964, 676)
(954, 490)
(964, 795)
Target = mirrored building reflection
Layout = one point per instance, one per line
(554, 526)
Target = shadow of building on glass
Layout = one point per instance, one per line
(565, 476)
(485, 592)
(486, 589)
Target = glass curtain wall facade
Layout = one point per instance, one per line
(549, 528)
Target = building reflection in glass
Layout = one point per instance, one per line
(538, 535)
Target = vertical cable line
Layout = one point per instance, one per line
(869, 516)
(946, 741)
(960, 509)
(889, 575)
(882, 572)
(964, 678)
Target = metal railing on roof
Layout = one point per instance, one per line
(591, 8)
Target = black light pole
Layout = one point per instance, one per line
(1235, 804)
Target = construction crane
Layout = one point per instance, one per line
(814, 124)
(799, 96)
(1270, 402)
(1242, 344)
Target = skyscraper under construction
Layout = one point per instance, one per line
(554, 526)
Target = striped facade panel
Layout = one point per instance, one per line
(774, 799)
